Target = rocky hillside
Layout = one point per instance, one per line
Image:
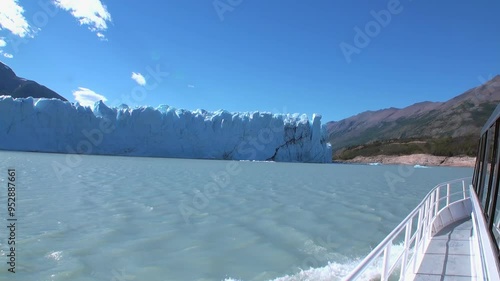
(12, 85)
(461, 116)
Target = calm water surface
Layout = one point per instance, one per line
(130, 218)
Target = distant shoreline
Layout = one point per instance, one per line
(414, 159)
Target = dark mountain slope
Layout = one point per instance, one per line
(18, 87)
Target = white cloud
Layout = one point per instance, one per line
(2, 42)
(101, 36)
(137, 77)
(7, 55)
(90, 12)
(11, 18)
(190, 86)
(87, 97)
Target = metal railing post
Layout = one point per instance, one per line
(385, 266)
(463, 185)
(433, 207)
(447, 195)
(417, 237)
(437, 200)
(426, 222)
(406, 247)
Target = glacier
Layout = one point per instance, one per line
(52, 125)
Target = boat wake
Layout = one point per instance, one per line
(336, 271)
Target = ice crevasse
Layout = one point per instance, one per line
(52, 125)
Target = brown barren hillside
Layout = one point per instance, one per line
(438, 124)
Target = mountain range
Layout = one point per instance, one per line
(388, 131)
(458, 118)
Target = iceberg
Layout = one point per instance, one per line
(52, 125)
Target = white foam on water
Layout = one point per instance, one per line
(55, 255)
(337, 271)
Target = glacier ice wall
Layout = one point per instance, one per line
(50, 125)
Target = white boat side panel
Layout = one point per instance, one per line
(454, 212)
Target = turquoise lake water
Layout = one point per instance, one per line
(131, 218)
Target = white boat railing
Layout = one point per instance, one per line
(416, 234)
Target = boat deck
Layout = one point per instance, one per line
(449, 256)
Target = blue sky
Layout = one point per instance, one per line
(336, 58)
